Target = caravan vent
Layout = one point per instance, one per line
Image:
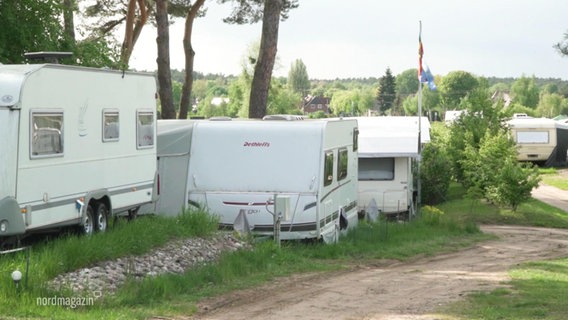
(287, 117)
(220, 119)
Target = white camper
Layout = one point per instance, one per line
(387, 148)
(76, 146)
(238, 168)
(540, 140)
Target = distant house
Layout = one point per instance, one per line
(503, 96)
(316, 103)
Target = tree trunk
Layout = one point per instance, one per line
(68, 23)
(266, 58)
(133, 29)
(163, 61)
(189, 58)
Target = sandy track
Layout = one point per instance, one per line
(393, 290)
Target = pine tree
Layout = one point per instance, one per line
(386, 93)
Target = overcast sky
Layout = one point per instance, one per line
(361, 38)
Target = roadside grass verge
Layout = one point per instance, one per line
(478, 211)
(551, 177)
(538, 290)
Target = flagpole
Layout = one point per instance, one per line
(419, 159)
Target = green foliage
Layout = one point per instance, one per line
(517, 108)
(29, 26)
(298, 80)
(386, 92)
(282, 100)
(513, 184)
(406, 84)
(431, 215)
(525, 92)
(250, 11)
(352, 102)
(455, 86)
(480, 119)
(551, 105)
(435, 172)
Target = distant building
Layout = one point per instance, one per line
(504, 96)
(316, 103)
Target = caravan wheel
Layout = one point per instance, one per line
(88, 226)
(101, 218)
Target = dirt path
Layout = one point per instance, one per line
(393, 291)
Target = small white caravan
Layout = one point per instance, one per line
(387, 148)
(238, 168)
(76, 146)
(540, 139)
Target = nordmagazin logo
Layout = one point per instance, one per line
(256, 144)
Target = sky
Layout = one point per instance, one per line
(338, 39)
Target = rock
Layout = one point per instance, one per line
(175, 257)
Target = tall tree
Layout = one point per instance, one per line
(525, 92)
(386, 92)
(110, 14)
(163, 60)
(298, 80)
(69, 7)
(189, 58)
(270, 11)
(455, 86)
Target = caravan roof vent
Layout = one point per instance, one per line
(287, 117)
(220, 119)
(47, 56)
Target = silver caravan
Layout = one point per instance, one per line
(387, 148)
(76, 146)
(238, 168)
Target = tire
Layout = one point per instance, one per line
(88, 226)
(101, 218)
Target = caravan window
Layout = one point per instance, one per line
(530, 137)
(328, 168)
(145, 129)
(376, 169)
(111, 129)
(46, 134)
(342, 161)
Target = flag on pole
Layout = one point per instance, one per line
(427, 77)
(420, 52)
(424, 74)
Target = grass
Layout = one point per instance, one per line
(538, 290)
(450, 226)
(551, 177)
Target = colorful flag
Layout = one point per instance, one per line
(424, 74)
(420, 53)
(428, 77)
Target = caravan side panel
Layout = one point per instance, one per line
(69, 152)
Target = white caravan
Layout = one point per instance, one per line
(76, 146)
(540, 140)
(238, 168)
(387, 148)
